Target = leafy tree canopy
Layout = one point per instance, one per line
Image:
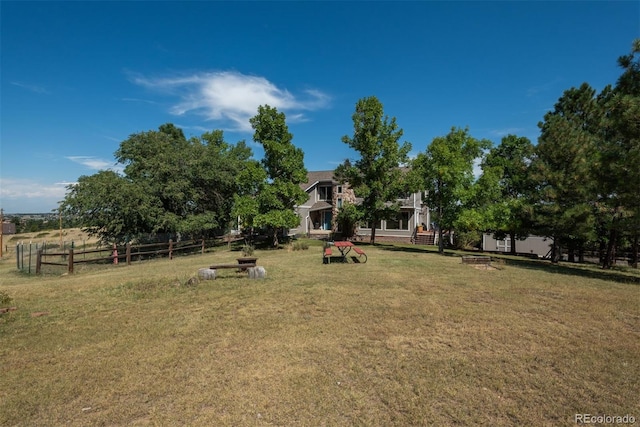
(445, 171)
(273, 192)
(169, 185)
(376, 176)
(507, 185)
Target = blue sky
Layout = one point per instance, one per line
(77, 78)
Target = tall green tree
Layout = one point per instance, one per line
(251, 179)
(566, 158)
(620, 156)
(376, 176)
(276, 196)
(445, 171)
(506, 168)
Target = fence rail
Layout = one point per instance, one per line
(127, 253)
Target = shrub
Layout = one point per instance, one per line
(247, 249)
(300, 246)
(467, 239)
(5, 299)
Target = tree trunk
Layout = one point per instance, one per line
(275, 237)
(555, 251)
(571, 251)
(512, 240)
(634, 252)
(611, 248)
(440, 239)
(372, 238)
(602, 250)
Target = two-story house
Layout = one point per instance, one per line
(326, 197)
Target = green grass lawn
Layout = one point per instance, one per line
(409, 338)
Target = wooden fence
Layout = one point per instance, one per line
(130, 251)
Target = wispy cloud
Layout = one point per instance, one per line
(145, 101)
(506, 131)
(94, 163)
(196, 128)
(111, 138)
(25, 195)
(231, 97)
(543, 87)
(30, 189)
(31, 87)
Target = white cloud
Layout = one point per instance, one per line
(477, 168)
(26, 195)
(232, 97)
(29, 189)
(94, 163)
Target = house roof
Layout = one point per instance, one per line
(314, 177)
(320, 206)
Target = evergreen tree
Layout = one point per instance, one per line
(564, 171)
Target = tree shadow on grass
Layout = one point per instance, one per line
(416, 249)
(579, 270)
(570, 270)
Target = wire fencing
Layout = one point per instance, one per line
(27, 253)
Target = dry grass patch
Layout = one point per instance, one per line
(409, 338)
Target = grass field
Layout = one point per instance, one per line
(409, 338)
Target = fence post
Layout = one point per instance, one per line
(18, 256)
(39, 261)
(70, 268)
(128, 253)
(29, 269)
(202, 246)
(170, 248)
(115, 254)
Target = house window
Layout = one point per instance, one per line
(339, 202)
(367, 224)
(399, 222)
(339, 189)
(324, 192)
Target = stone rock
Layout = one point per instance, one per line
(193, 281)
(206, 274)
(257, 272)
